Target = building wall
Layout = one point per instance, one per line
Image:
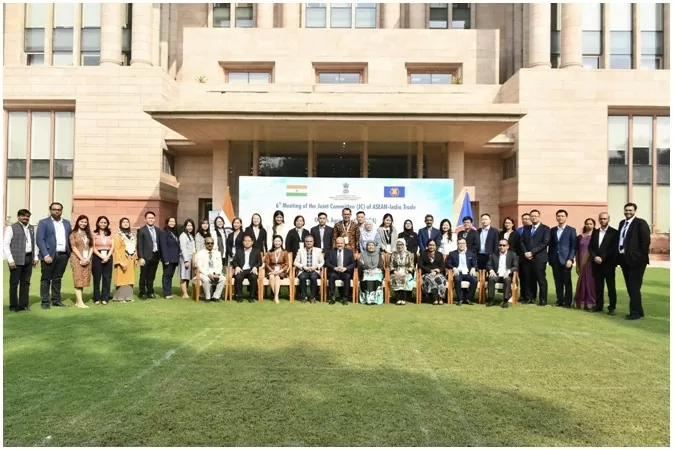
(196, 181)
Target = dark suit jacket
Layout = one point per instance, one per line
(261, 242)
(144, 242)
(536, 244)
(563, 249)
(426, 265)
(349, 261)
(422, 234)
(608, 250)
(452, 261)
(234, 245)
(513, 241)
(637, 242)
(472, 238)
(169, 247)
(512, 261)
(46, 237)
(327, 238)
(490, 245)
(293, 240)
(240, 258)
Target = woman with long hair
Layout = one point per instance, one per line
(447, 241)
(101, 263)
(277, 228)
(276, 265)
(387, 234)
(586, 296)
(81, 243)
(187, 249)
(410, 236)
(169, 244)
(258, 233)
(220, 238)
(235, 239)
(510, 234)
(125, 260)
(295, 238)
(202, 233)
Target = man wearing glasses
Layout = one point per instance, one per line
(52, 241)
(209, 262)
(500, 268)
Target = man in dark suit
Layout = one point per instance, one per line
(526, 222)
(21, 252)
(322, 233)
(463, 265)
(534, 247)
(340, 263)
(428, 234)
(246, 263)
(634, 240)
(54, 245)
(469, 233)
(501, 266)
(561, 252)
(147, 243)
(603, 251)
(487, 242)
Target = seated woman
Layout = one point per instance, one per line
(433, 277)
(276, 265)
(402, 272)
(371, 273)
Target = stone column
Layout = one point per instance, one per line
(636, 37)
(605, 58)
(156, 32)
(264, 15)
(141, 35)
(572, 36)
(220, 173)
(164, 37)
(539, 35)
(256, 158)
(417, 15)
(311, 155)
(456, 166)
(49, 35)
(364, 168)
(391, 14)
(665, 33)
(420, 159)
(77, 35)
(111, 34)
(291, 15)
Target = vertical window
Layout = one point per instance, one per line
(126, 33)
(366, 15)
(662, 197)
(555, 34)
(244, 15)
(17, 145)
(222, 13)
(168, 163)
(36, 18)
(621, 36)
(592, 20)
(316, 15)
(91, 34)
(340, 15)
(62, 42)
(64, 146)
(461, 15)
(651, 17)
(40, 155)
(438, 15)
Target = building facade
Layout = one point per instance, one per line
(114, 109)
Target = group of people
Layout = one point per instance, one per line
(350, 245)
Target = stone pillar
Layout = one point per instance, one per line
(141, 35)
(156, 32)
(417, 15)
(311, 155)
(420, 159)
(572, 36)
(49, 35)
(220, 173)
(14, 20)
(77, 35)
(291, 15)
(391, 14)
(665, 33)
(605, 58)
(256, 158)
(539, 35)
(164, 36)
(636, 37)
(111, 34)
(264, 15)
(456, 166)
(364, 168)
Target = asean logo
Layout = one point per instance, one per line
(394, 192)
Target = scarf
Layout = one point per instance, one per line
(368, 236)
(129, 241)
(399, 255)
(370, 259)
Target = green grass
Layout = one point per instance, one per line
(172, 373)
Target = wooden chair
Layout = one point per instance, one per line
(465, 285)
(289, 281)
(196, 279)
(514, 287)
(418, 287)
(339, 284)
(295, 283)
(229, 283)
(387, 282)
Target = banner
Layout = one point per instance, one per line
(404, 199)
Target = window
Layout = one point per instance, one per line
(62, 42)
(461, 15)
(338, 73)
(662, 200)
(316, 15)
(430, 78)
(592, 49)
(340, 78)
(168, 163)
(621, 36)
(340, 15)
(618, 132)
(432, 73)
(91, 34)
(222, 15)
(366, 15)
(651, 16)
(248, 72)
(36, 18)
(662, 126)
(236, 77)
(510, 167)
(555, 35)
(126, 33)
(244, 15)
(438, 15)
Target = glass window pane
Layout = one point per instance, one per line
(366, 17)
(244, 15)
(618, 132)
(621, 43)
(126, 40)
(438, 16)
(651, 16)
(63, 193)
(340, 17)
(642, 195)
(259, 78)
(349, 78)
(36, 15)
(63, 39)
(91, 40)
(652, 43)
(16, 199)
(621, 61)
(36, 59)
(591, 42)
(91, 15)
(16, 168)
(441, 78)
(328, 78)
(221, 15)
(662, 125)
(63, 168)
(591, 16)
(461, 15)
(17, 132)
(617, 197)
(237, 77)
(420, 78)
(40, 131)
(90, 59)
(64, 134)
(663, 203)
(39, 199)
(555, 42)
(621, 16)
(63, 59)
(34, 40)
(64, 15)
(283, 165)
(39, 168)
(642, 135)
(651, 62)
(316, 16)
(590, 62)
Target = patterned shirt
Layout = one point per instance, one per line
(349, 232)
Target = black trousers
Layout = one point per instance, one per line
(491, 287)
(238, 283)
(535, 277)
(524, 279)
(102, 278)
(345, 277)
(148, 272)
(482, 259)
(470, 292)
(563, 286)
(604, 273)
(634, 277)
(51, 278)
(167, 277)
(19, 284)
(313, 283)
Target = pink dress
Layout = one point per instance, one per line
(585, 289)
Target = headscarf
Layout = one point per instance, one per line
(370, 258)
(400, 241)
(367, 236)
(409, 232)
(398, 257)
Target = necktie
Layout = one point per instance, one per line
(533, 230)
(624, 231)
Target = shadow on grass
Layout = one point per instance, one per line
(98, 380)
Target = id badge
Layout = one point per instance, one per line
(346, 239)
(85, 254)
(104, 253)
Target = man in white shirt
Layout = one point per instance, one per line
(500, 267)
(310, 261)
(603, 250)
(209, 262)
(246, 263)
(21, 253)
(54, 246)
(463, 264)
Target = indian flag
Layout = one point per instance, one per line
(296, 190)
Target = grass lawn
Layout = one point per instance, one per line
(175, 373)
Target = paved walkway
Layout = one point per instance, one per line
(660, 264)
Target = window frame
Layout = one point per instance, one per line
(248, 67)
(453, 69)
(340, 68)
(438, 7)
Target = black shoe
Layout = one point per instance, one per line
(24, 308)
(304, 300)
(560, 304)
(468, 302)
(150, 296)
(45, 306)
(142, 297)
(566, 306)
(611, 312)
(344, 302)
(215, 300)
(632, 317)
(59, 305)
(598, 309)
(250, 300)
(331, 302)
(490, 302)
(458, 302)
(504, 304)
(13, 308)
(542, 303)
(313, 301)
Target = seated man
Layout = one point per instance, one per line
(463, 264)
(209, 262)
(340, 264)
(310, 261)
(246, 262)
(500, 267)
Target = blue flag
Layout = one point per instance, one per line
(466, 210)
(394, 191)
